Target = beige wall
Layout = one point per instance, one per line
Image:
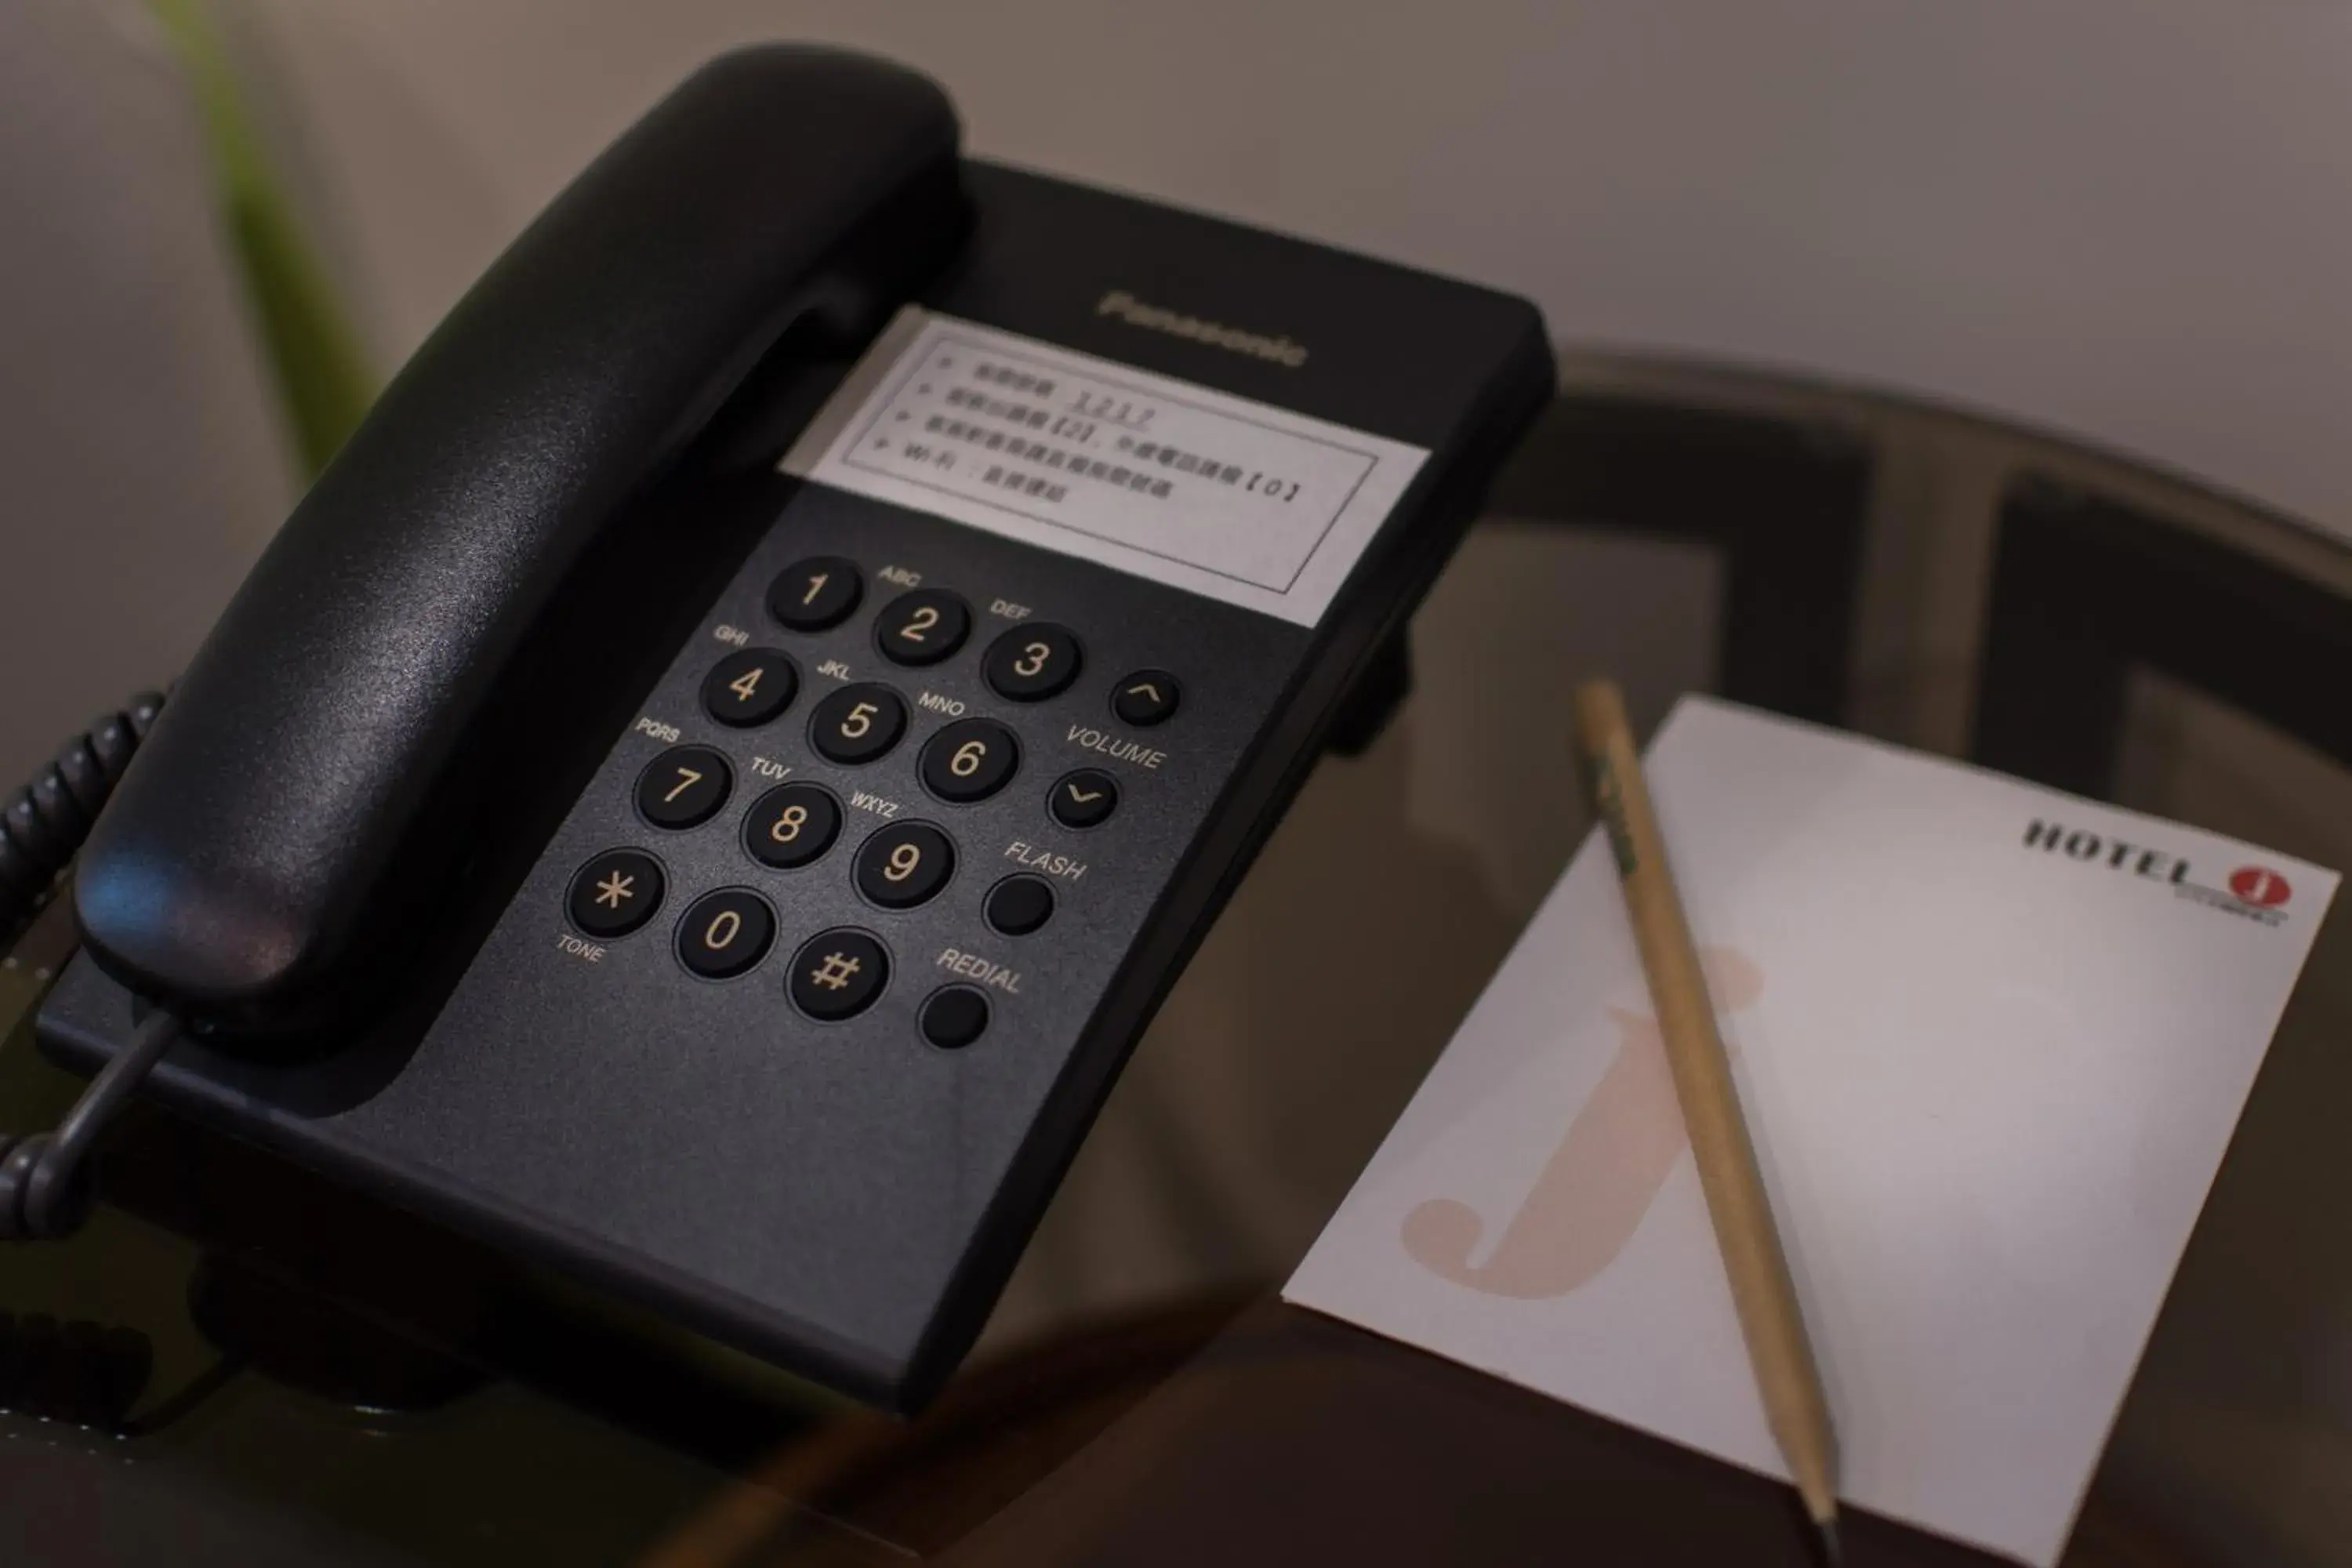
(2126, 219)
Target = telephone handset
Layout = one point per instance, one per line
(709, 786)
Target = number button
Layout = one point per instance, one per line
(969, 760)
(722, 935)
(616, 893)
(684, 788)
(1084, 799)
(792, 825)
(837, 973)
(1031, 663)
(815, 594)
(905, 864)
(1146, 698)
(922, 627)
(858, 723)
(750, 686)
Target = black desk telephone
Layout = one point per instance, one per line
(709, 786)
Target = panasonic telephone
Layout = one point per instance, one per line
(709, 786)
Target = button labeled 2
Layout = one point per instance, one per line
(923, 626)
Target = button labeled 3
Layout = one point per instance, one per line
(1031, 663)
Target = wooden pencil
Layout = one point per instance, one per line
(1761, 1288)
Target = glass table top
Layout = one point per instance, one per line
(241, 1363)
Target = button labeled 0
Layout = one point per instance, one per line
(723, 934)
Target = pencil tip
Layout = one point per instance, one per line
(1829, 1541)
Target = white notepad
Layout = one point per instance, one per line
(1990, 1040)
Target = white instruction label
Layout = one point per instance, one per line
(1214, 494)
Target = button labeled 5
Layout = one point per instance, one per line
(858, 723)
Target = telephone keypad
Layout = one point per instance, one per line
(815, 594)
(836, 975)
(969, 760)
(684, 788)
(1084, 799)
(901, 866)
(792, 825)
(904, 865)
(922, 627)
(616, 893)
(858, 723)
(753, 686)
(1031, 663)
(723, 934)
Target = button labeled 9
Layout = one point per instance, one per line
(905, 864)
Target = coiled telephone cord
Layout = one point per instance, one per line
(43, 1191)
(45, 822)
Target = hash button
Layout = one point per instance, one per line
(837, 973)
